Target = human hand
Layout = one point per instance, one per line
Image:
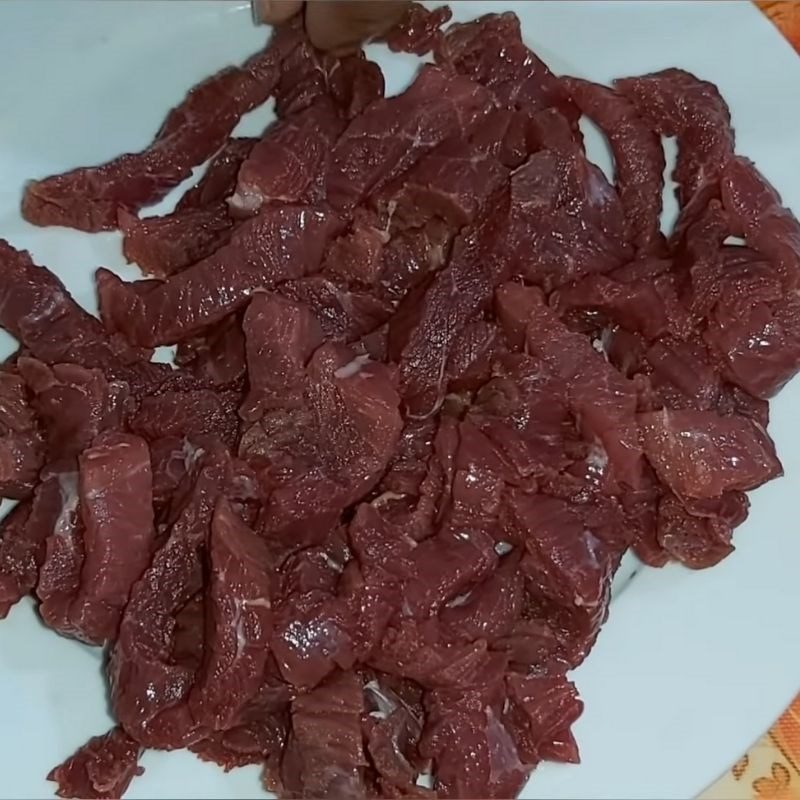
(335, 25)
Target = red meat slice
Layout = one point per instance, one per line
(490, 609)
(103, 768)
(116, 493)
(392, 731)
(18, 562)
(189, 413)
(602, 400)
(540, 713)
(566, 220)
(324, 756)
(390, 135)
(490, 51)
(279, 244)
(21, 446)
(163, 246)
(151, 676)
(239, 622)
(640, 297)
(281, 336)
(287, 165)
(638, 159)
(336, 447)
(454, 297)
(36, 309)
(89, 198)
(419, 31)
(344, 315)
(700, 454)
(676, 103)
(56, 522)
(756, 211)
(473, 752)
(219, 180)
(74, 403)
(419, 652)
(452, 183)
(700, 537)
(217, 356)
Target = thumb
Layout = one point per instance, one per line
(273, 12)
(342, 25)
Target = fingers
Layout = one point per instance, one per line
(342, 25)
(273, 12)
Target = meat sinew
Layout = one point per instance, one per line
(435, 375)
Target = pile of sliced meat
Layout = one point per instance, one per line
(435, 375)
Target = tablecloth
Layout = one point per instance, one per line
(771, 769)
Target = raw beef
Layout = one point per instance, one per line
(116, 491)
(435, 376)
(102, 768)
(638, 159)
(279, 244)
(90, 198)
(36, 309)
(676, 103)
(21, 445)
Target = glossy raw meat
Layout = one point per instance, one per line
(435, 375)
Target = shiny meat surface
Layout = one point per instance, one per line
(435, 375)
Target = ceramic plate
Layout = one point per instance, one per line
(676, 688)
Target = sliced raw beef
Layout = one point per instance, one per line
(74, 403)
(419, 31)
(189, 413)
(216, 357)
(638, 159)
(37, 310)
(239, 622)
(219, 180)
(324, 755)
(103, 768)
(288, 164)
(700, 537)
(568, 569)
(392, 731)
(473, 752)
(452, 183)
(18, 553)
(455, 295)
(279, 244)
(22, 449)
(56, 522)
(540, 713)
(330, 451)
(700, 454)
(490, 50)
(116, 492)
(344, 315)
(676, 103)
(280, 338)
(162, 246)
(89, 198)
(566, 221)
(151, 668)
(757, 213)
(392, 134)
(603, 401)
(640, 297)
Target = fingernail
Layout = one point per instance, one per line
(260, 9)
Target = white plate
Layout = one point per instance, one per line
(692, 667)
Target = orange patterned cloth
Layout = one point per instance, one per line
(771, 769)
